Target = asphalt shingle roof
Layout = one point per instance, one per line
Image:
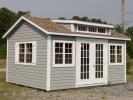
(51, 26)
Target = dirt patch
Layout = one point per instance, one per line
(115, 92)
(2, 61)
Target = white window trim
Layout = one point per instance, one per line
(34, 51)
(73, 54)
(122, 45)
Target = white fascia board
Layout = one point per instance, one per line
(91, 36)
(83, 23)
(18, 21)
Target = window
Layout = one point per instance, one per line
(25, 52)
(21, 52)
(29, 52)
(92, 29)
(63, 53)
(68, 53)
(58, 53)
(115, 54)
(101, 30)
(82, 28)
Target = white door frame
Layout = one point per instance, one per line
(92, 62)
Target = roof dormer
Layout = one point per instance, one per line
(86, 27)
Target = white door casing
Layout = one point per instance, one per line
(92, 80)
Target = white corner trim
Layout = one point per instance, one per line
(125, 63)
(18, 21)
(77, 56)
(107, 61)
(7, 62)
(48, 62)
(72, 28)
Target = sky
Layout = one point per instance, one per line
(107, 10)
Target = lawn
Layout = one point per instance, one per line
(11, 91)
(2, 63)
(130, 67)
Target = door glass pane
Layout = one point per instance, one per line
(84, 72)
(99, 61)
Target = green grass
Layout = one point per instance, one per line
(2, 77)
(2, 63)
(11, 91)
(130, 67)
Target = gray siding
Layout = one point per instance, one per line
(28, 75)
(116, 73)
(62, 77)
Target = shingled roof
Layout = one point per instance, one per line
(51, 26)
(57, 29)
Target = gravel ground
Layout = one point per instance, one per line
(116, 92)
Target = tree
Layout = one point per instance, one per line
(23, 13)
(7, 19)
(62, 18)
(118, 28)
(84, 19)
(129, 32)
(76, 18)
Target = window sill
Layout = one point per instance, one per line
(25, 64)
(116, 64)
(63, 65)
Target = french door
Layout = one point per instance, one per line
(92, 67)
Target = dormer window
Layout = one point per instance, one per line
(92, 29)
(86, 27)
(101, 30)
(82, 27)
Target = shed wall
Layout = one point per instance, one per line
(62, 77)
(28, 75)
(116, 73)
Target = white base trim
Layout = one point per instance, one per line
(94, 84)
